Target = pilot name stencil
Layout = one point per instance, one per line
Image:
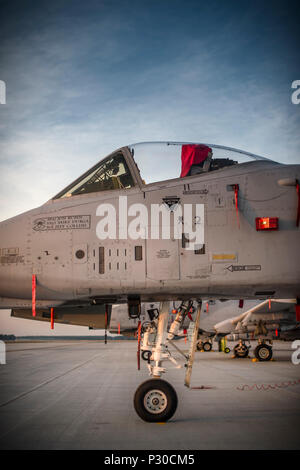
(67, 222)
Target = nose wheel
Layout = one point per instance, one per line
(155, 401)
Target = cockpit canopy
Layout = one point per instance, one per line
(150, 162)
(111, 173)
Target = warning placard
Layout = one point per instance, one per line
(64, 222)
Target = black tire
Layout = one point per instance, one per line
(155, 401)
(200, 345)
(207, 346)
(241, 352)
(263, 352)
(146, 355)
(227, 350)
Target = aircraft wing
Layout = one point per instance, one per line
(270, 309)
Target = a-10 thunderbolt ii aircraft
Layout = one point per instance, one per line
(226, 226)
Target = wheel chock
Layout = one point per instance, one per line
(254, 360)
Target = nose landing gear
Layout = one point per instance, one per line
(156, 400)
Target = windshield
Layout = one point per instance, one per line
(159, 161)
(111, 173)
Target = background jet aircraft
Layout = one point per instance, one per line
(53, 258)
(268, 320)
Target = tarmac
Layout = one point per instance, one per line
(79, 395)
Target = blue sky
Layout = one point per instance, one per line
(84, 78)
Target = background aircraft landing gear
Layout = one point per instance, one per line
(241, 350)
(204, 346)
(155, 401)
(207, 346)
(263, 352)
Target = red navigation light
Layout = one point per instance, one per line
(266, 223)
